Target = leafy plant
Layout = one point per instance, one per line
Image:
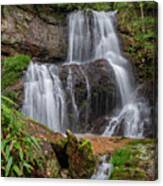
(20, 152)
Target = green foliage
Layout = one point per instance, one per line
(121, 157)
(133, 161)
(20, 152)
(83, 6)
(13, 68)
(84, 143)
(137, 21)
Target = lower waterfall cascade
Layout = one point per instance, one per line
(104, 169)
(92, 36)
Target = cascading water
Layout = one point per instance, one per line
(88, 93)
(44, 97)
(104, 169)
(92, 36)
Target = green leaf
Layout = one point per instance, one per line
(28, 167)
(8, 167)
(7, 152)
(21, 155)
(17, 170)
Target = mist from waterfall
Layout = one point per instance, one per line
(92, 36)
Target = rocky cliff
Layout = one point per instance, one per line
(34, 30)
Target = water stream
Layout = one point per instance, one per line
(104, 169)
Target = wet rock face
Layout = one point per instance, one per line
(102, 90)
(33, 30)
(99, 125)
(149, 90)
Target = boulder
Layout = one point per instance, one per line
(82, 162)
(66, 156)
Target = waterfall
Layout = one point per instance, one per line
(92, 36)
(104, 169)
(88, 88)
(44, 97)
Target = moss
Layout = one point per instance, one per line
(134, 161)
(142, 141)
(125, 173)
(81, 159)
(13, 68)
(84, 143)
(53, 167)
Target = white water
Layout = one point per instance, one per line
(44, 98)
(104, 169)
(92, 35)
(88, 88)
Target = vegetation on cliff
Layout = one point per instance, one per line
(13, 68)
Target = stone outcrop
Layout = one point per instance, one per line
(34, 30)
(81, 160)
(67, 156)
(103, 90)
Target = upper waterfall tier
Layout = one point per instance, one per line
(91, 35)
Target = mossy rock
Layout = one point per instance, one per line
(135, 161)
(81, 159)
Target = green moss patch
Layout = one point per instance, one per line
(13, 68)
(12, 72)
(134, 161)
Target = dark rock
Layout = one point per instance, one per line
(99, 125)
(148, 90)
(103, 90)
